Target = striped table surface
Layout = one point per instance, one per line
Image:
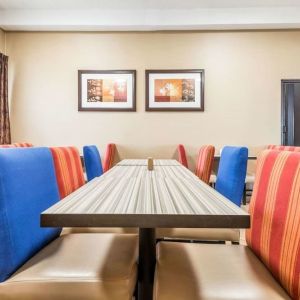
(132, 196)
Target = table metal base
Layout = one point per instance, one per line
(147, 260)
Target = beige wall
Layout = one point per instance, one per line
(2, 41)
(242, 88)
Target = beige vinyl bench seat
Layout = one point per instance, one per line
(203, 234)
(210, 272)
(78, 266)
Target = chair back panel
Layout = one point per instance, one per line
(205, 162)
(68, 169)
(284, 148)
(92, 161)
(274, 235)
(17, 145)
(232, 173)
(28, 187)
(182, 155)
(109, 157)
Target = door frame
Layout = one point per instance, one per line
(284, 130)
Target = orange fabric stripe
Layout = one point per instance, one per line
(60, 167)
(109, 157)
(77, 167)
(201, 160)
(17, 145)
(284, 148)
(275, 217)
(205, 163)
(57, 171)
(70, 180)
(112, 156)
(257, 203)
(182, 155)
(281, 214)
(256, 188)
(291, 234)
(270, 199)
(296, 277)
(68, 169)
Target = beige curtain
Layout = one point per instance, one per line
(4, 111)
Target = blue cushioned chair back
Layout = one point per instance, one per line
(92, 161)
(27, 187)
(232, 173)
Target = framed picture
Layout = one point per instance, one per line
(106, 90)
(175, 90)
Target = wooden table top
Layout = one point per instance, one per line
(132, 196)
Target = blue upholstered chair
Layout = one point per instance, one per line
(28, 187)
(232, 172)
(38, 264)
(92, 161)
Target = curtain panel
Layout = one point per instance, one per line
(5, 137)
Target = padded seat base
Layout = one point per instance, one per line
(204, 234)
(78, 266)
(211, 272)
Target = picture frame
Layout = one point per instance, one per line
(106, 90)
(175, 90)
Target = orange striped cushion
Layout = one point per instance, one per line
(17, 145)
(109, 157)
(284, 148)
(275, 217)
(205, 162)
(182, 155)
(68, 169)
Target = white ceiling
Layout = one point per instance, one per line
(148, 14)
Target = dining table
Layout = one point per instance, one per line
(132, 194)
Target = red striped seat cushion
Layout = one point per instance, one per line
(182, 155)
(68, 169)
(275, 217)
(205, 162)
(284, 148)
(109, 157)
(17, 145)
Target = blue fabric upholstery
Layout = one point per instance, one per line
(92, 161)
(232, 173)
(27, 187)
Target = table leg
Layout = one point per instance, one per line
(147, 260)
